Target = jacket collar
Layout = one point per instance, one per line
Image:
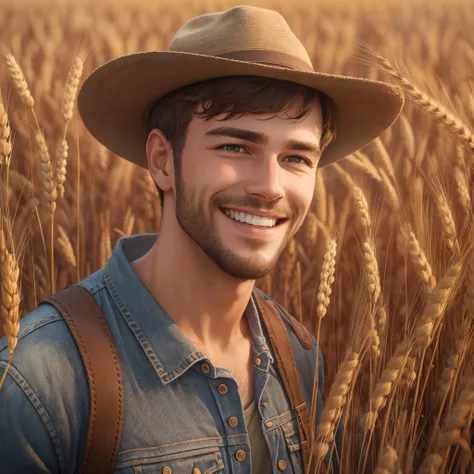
(165, 345)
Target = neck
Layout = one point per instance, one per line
(206, 303)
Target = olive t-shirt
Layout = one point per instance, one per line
(260, 455)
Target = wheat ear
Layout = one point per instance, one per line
(60, 168)
(384, 385)
(447, 219)
(440, 113)
(335, 403)
(463, 335)
(65, 246)
(19, 81)
(384, 156)
(468, 298)
(10, 298)
(450, 433)
(462, 189)
(408, 137)
(422, 266)
(362, 208)
(5, 136)
(373, 287)
(361, 161)
(49, 187)
(72, 85)
(435, 307)
(327, 278)
(387, 463)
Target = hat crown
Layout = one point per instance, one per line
(240, 30)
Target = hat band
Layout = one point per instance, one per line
(271, 57)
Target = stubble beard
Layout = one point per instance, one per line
(191, 217)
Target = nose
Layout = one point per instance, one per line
(266, 180)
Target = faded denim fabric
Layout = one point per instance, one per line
(174, 414)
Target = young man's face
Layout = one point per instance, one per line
(222, 175)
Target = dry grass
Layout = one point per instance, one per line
(392, 309)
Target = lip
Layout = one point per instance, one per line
(252, 229)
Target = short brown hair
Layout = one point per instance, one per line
(236, 96)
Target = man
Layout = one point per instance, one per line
(232, 123)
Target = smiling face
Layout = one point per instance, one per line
(267, 168)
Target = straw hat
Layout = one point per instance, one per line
(245, 40)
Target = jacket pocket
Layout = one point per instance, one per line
(186, 462)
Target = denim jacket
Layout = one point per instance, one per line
(176, 411)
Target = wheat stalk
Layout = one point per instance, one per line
(408, 137)
(383, 156)
(361, 161)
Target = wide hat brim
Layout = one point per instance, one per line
(115, 99)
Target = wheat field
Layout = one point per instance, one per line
(382, 271)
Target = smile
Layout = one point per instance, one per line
(251, 219)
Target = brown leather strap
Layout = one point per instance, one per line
(99, 354)
(285, 359)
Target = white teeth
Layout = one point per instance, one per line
(251, 219)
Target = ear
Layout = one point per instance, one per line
(160, 159)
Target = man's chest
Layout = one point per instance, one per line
(196, 421)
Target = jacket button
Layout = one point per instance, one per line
(222, 389)
(196, 470)
(240, 455)
(166, 470)
(258, 361)
(282, 465)
(233, 421)
(269, 424)
(205, 368)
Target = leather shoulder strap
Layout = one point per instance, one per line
(285, 359)
(99, 354)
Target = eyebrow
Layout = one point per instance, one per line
(261, 138)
